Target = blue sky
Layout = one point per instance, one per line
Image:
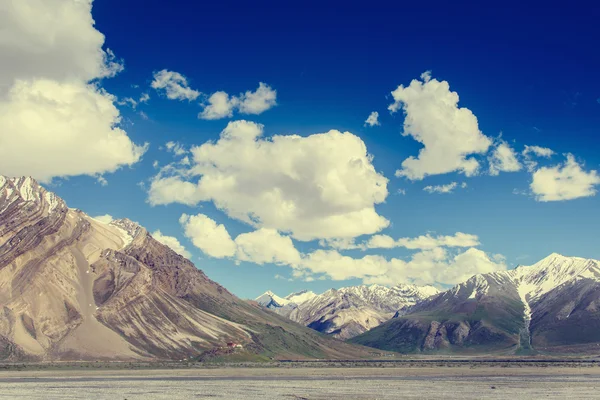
(527, 75)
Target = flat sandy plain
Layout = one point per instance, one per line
(350, 380)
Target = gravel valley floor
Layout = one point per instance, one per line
(414, 381)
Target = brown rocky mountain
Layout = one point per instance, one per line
(72, 287)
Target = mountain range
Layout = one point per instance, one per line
(346, 312)
(552, 307)
(72, 287)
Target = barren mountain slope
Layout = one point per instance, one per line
(549, 307)
(72, 287)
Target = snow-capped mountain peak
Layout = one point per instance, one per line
(538, 279)
(551, 305)
(300, 297)
(271, 300)
(347, 311)
(127, 228)
(27, 190)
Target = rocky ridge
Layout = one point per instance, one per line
(72, 287)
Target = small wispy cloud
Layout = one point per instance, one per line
(448, 188)
(373, 119)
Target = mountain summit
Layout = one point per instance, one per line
(72, 287)
(349, 311)
(552, 306)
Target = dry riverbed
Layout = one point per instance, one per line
(406, 380)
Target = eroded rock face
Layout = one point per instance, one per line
(72, 287)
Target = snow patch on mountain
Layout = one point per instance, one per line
(300, 297)
(524, 289)
(127, 229)
(27, 190)
(551, 272)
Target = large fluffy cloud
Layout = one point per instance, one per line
(221, 105)
(449, 134)
(210, 237)
(50, 129)
(53, 121)
(320, 186)
(564, 182)
(433, 263)
(266, 246)
(52, 39)
(260, 246)
(438, 265)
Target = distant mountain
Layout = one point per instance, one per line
(72, 287)
(272, 301)
(300, 297)
(550, 307)
(346, 312)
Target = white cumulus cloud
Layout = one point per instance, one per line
(174, 85)
(52, 39)
(503, 159)
(373, 119)
(259, 101)
(51, 129)
(315, 187)
(266, 246)
(53, 121)
(210, 237)
(449, 134)
(221, 105)
(432, 264)
(564, 182)
(260, 246)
